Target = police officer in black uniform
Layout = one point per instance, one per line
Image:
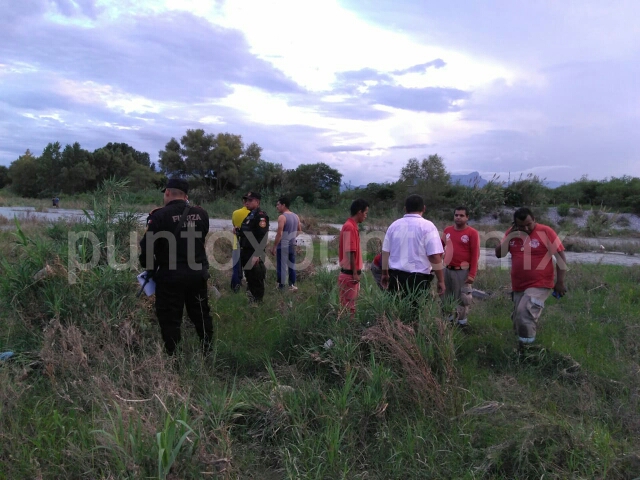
(173, 251)
(253, 240)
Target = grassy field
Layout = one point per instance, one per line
(399, 394)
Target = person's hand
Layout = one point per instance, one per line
(254, 261)
(560, 289)
(384, 281)
(469, 280)
(273, 250)
(441, 288)
(356, 278)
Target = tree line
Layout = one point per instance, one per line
(216, 165)
(221, 164)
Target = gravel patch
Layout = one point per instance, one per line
(619, 221)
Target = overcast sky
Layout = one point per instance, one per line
(544, 87)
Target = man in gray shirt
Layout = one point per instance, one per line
(284, 246)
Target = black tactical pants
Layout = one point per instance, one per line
(255, 279)
(173, 294)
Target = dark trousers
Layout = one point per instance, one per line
(286, 262)
(236, 275)
(409, 283)
(255, 278)
(175, 293)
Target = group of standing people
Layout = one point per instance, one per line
(172, 251)
(251, 227)
(413, 254)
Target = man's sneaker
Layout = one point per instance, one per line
(293, 288)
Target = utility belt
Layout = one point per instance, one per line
(451, 267)
(350, 272)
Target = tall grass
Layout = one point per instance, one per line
(398, 392)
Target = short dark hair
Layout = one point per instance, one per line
(284, 201)
(457, 209)
(414, 203)
(358, 205)
(522, 213)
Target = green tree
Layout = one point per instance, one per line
(23, 173)
(428, 177)
(120, 161)
(265, 176)
(530, 191)
(482, 200)
(4, 176)
(219, 162)
(78, 173)
(141, 158)
(314, 181)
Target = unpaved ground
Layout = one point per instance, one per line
(605, 247)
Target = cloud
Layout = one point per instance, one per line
(411, 146)
(357, 148)
(359, 77)
(343, 148)
(73, 8)
(495, 87)
(173, 56)
(428, 99)
(352, 110)
(437, 63)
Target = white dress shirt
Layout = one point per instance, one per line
(409, 241)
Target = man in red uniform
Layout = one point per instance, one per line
(532, 246)
(462, 250)
(350, 256)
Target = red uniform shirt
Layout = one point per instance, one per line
(349, 242)
(531, 258)
(462, 248)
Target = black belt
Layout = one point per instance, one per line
(451, 267)
(350, 272)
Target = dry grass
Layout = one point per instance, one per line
(397, 343)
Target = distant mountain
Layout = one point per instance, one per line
(470, 179)
(553, 184)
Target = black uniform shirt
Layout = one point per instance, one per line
(253, 233)
(162, 223)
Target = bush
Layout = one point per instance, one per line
(563, 209)
(576, 212)
(598, 223)
(479, 201)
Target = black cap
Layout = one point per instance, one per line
(249, 195)
(178, 184)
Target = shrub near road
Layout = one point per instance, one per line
(90, 394)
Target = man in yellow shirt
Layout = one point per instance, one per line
(237, 218)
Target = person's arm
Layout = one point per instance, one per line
(384, 277)
(153, 225)
(281, 221)
(437, 269)
(561, 270)
(299, 227)
(474, 252)
(503, 247)
(353, 268)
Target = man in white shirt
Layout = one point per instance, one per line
(412, 251)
